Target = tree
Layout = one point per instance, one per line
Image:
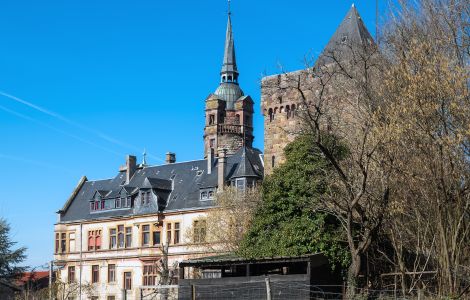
(224, 226)
(287, 222)
(426, 93)
(9, 258)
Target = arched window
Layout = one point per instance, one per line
(281, 109)
(211, 119)
(230, 78)
(223, 78)
(287, 111)
(293, 110)
(271, 115)
(279, 99)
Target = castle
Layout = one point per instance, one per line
(110, 232)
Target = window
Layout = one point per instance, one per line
(273, 161)
(71, 241)
(112, 238)
(237, 119)
(128, 202)
(176, 239)
(149, 274)
(211, 143)
(168, 233)
(71, 274)
(117, 203)
(120, 236)
(128, 237)
(111, 273)
(57, 242)
(94, 240)
(199, 227)
(211, 119)
(271, 115)
(240, 183)
(95, 273)
(127, 280)
(111, 298)
(145, 235)
(203, 195)
(210, 194)
(145, 197)
(157, 237)
(63, 242)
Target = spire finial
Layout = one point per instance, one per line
(144, 157)
(229, 11)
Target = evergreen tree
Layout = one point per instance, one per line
(286, 223)
(9, 258)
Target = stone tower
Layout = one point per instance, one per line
(229, 122)
(280, 102)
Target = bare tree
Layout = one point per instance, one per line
(224, 226)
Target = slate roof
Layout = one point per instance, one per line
(350, 33)
(178, 186)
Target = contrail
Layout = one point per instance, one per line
(75, 124)
(20, 115)
(33, 162)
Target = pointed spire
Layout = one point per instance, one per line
(229, 72)
(351, 32)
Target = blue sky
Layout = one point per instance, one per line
(110, 78)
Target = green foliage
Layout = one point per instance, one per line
(286, 223)
(9, 258)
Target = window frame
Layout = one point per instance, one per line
(111, 273)
(71, 274)
(95, 273)
(124, 275)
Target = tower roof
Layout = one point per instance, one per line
(350, 33)
(229, 64)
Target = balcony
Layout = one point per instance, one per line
(237, 129)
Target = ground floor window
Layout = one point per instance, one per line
(127, 280)
(149, 274)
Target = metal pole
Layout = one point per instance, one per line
(193, 292)
(268, 289)
(81, 249)
(51, 266)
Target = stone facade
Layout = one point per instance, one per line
(228, 129)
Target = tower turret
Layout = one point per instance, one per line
(229, 112)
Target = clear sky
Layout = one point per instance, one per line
(85, 82)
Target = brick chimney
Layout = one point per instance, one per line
(210, 160)
(222, 165)
(131, 166)
(170, 158)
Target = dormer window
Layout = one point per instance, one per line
(117, 203)
(204, 195)
(145, 197)
(207, 194)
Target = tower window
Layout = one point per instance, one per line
(211, 143)
(279, 99)
(271, 115)
(237, 119)
(273, 161)
(223, 78)
(211, 119)
(230, 78)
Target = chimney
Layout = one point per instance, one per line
(131, 166)
(210, 160)
(170, 158)
(222, 165)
